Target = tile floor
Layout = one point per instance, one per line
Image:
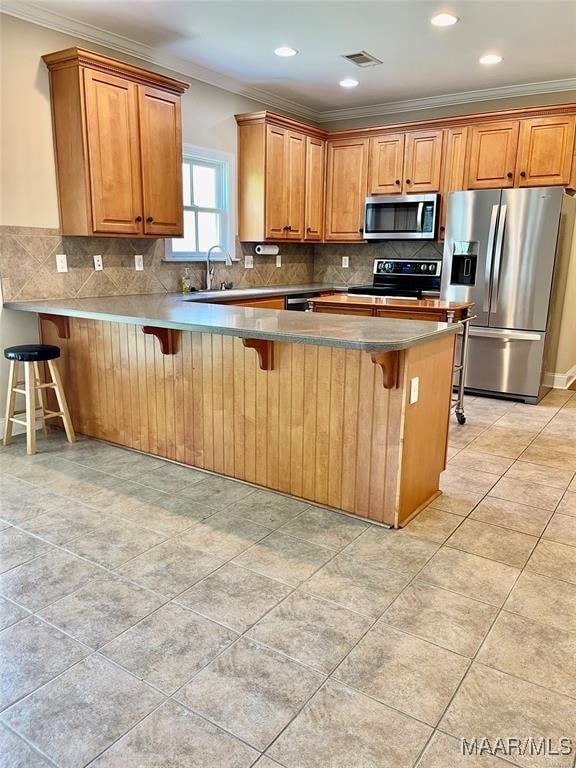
(154, 616)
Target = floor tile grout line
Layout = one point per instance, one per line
(30, 744)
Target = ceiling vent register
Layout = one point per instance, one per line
(362, 59)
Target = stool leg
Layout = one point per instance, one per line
(30, 408)
(59, 391)
(41, 398)
(10, 398)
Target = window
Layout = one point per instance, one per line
(207, 206)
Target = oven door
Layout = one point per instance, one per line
(401, 217)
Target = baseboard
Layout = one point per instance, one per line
(560, 380)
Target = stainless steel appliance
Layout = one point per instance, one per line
(500, 252)
(403, 277)
(299, 302)
(401, 217)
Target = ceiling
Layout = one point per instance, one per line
(231, 42)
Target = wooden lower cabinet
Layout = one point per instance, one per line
(334, 310)
(267, 303)
(319, 424)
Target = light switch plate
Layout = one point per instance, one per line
(98, 266)
(248, 261)
(414, 389)
(278, 259)
(139, 262)
(345, 262)
(61, 262)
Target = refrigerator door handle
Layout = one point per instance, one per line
(505, 335)
(498, 257)
(419, 217)
(489, 255)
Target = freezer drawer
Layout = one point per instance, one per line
(505, 362)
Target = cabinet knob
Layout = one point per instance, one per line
(509, 174)
(397, 182)
(149, 219)
(360, 231)
(285, 228)
(523, 174)
(408, 181)
(442, 229)
(288, 228)
(138, 218)
(308, 229)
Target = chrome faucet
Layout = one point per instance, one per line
(210, 266)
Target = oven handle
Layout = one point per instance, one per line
(419, 216)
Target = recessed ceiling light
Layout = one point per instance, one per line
(444, 20)
(490, 58)
(348, 82)
(285, 50)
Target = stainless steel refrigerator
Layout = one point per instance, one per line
(500, 252)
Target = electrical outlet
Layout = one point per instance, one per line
(278, 260)
(414, 389)
(98, 266)
(139, 262)
(61, 262)
(345, 262)
(248, 261)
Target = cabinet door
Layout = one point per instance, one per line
(346, 184)
(314, 203)
(493, 149)
(386, 164)
(453, 172)
(275, 183)
(161, 149)
(295, 159)
(422, 161)
(333, 309)
(545, 153)
(113, 153)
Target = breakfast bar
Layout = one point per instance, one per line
(347, 412)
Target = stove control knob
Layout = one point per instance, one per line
(423, 267)
(431, 267)
(388, 266)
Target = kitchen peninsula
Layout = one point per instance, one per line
(315, 406)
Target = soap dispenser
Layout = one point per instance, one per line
(186, 281)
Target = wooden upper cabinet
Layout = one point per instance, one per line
(113, 153)
(422, 161)
(545, 152)
(118, 145)
(280, 179)
(285, 170)
(493, 148)
(161, 153)
(346, 185)
(453, 177)
(386, 170)
(314, 195)
(275, 183)
(295, 184)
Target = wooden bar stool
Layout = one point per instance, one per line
(31, 355)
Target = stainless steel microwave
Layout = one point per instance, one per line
(401, 217)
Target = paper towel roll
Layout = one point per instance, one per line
(267, 250)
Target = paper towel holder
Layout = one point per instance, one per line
(265, 249)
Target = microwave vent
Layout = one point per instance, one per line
(362, 59)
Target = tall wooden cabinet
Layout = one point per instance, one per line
(453, 170)
(346, 182)
(118, 144)
(280, 180)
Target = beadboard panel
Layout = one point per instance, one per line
(319, 426)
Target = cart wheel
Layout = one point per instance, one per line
(461, 418)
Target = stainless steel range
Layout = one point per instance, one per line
(403, 277)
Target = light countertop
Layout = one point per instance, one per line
(261, 292)
(172, 311)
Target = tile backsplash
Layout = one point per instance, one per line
(28, 265)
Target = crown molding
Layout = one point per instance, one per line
(42, 16)
(450, 99)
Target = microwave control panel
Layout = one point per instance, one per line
(404, 267)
